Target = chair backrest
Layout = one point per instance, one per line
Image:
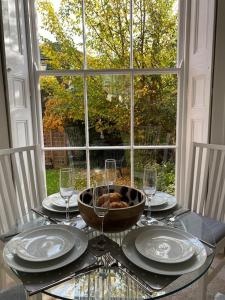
(21, 183)
(205, 191)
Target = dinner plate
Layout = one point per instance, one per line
(41, 244)
(130, 251)
(58, 201)
(170, 202)
(48, 204)
(80, 245)
(165, 244)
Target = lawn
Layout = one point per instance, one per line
(166, 179)
(52, 180)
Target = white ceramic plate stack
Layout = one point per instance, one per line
(164, 250)
(45, 248)
(56, 203)
(162, 201)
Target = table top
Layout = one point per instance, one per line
(125, 280)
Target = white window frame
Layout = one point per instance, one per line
(179, 71)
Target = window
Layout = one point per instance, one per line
(109, 84)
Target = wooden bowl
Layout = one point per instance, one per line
(117, 219)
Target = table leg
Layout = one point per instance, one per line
(202, 288)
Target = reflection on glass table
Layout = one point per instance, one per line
(125, 279)
(92, 286)
(128, 284)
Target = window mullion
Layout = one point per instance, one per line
(85, 96)
(139, 147)
(132, 127)
(131, 34)
(84, 35)
(97, 72)
(86, 130)
(131, 96)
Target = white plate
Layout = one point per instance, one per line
(58, 201)
(43, 244)
(80, 240)
(130, 251)
(157, 201)
(165, 245)
(48, 204)
(171, 202)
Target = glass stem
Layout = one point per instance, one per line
(67, 209)
(148, 216)
(102, 226)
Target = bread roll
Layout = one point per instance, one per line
(112, 197)
(120, 204)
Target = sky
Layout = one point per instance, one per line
(43, 32)
(56, 4)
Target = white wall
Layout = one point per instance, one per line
(218, 101)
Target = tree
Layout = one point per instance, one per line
(107, 45)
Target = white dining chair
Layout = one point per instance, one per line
(21, 188)
(21, 183)
(205, 195)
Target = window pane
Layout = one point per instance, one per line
(54, 160)
(163, 160)
(109, 110)
(155, 33)
(108, 34)
(63, 111)
(155, 106)
(60, 31)
(122, 157)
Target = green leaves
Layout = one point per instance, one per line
(107, 24)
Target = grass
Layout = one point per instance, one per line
(52, 180)
(166, 180)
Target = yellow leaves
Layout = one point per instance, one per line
(51, 119)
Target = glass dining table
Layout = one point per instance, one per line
(118, 272)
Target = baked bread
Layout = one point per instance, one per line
(120, 204)
(115, 200)
(111, 197)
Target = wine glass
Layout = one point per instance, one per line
(66, 183)
(110, 171)
(101, 208)
(149, 189)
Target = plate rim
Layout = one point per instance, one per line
(72, 244)
(202, 255)
(165, 260)
(164, 201)
(51, 265)
(62, 206)
(170, 198)
(45, 204)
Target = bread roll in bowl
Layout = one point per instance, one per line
(117, 219)
(111, 197)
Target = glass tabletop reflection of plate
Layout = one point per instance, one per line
(165, 245)
(44, 244)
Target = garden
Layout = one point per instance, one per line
(153, 99)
